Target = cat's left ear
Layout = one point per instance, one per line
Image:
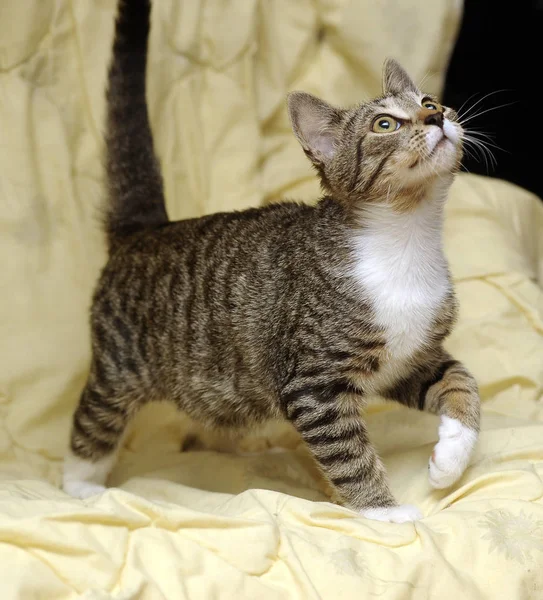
(395, 79)
(316, 124)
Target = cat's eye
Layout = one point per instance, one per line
(385, 124)
(431, 105)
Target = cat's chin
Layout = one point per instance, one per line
(443, 160)
(427, 170)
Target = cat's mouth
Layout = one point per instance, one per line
(439, 144)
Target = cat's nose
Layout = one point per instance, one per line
(434, 118)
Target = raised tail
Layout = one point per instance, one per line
(134, 180)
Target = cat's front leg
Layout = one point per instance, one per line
(447, 389)
(455, 398)
(329, 421)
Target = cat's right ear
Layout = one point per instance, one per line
(316, 125)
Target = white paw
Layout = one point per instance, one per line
(83, 489)
(84, 478)
(393, 514)
(451, 454)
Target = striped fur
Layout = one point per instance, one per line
(288, 311)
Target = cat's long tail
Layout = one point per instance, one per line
(134, 180)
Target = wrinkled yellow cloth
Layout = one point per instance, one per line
(205, 525)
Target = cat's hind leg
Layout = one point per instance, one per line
(98, 426)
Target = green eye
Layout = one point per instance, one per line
(431, 105)
(385, 124)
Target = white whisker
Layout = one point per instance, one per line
(484, 153)
(464, 120)
(487, 137)
(476, 103)
(480, 148)
(465, 102)
(423, 80)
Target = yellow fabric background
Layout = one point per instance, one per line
(208, 525)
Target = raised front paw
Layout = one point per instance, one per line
(451, 454)
(393, 514)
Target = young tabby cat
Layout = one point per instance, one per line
(288, 311)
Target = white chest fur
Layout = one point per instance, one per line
(402, 271)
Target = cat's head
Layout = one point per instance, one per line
(390, 149)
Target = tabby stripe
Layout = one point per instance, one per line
(352, 119)
(442, 397)
(348, 479)
(161, 317)
(319, 378)
(94, 426)
(100, 335)
(91, 396)
(311, 376)
(365, 346)
(322, 393)
(327, 418)
(189, 303)
(373, 364)
(345, 387)
(299, 410)
(365, 361)
(311, 391)
(293, 396)
(237, 369)
(96, 441)
(209, 281)
(136, 296)
(369, 364)
(336, 355)
(436, 379)
(320, 439)
(130, 365)
(99, 372)
(94, 415)
(356, 175)
(173, 286)
(376, 173)
(324, 281)
(124, 283)
(141, 342)
(98, 447)
(338, 456)
(107, 345)
(96, 398)
(455, 390)
(123, 330)
(320, 169)
(112, 354)
(106, 309)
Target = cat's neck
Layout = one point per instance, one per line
(401, 245)
(391, 233)
(400, 268)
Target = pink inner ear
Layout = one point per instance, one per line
(323, 142)
(315, 124)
